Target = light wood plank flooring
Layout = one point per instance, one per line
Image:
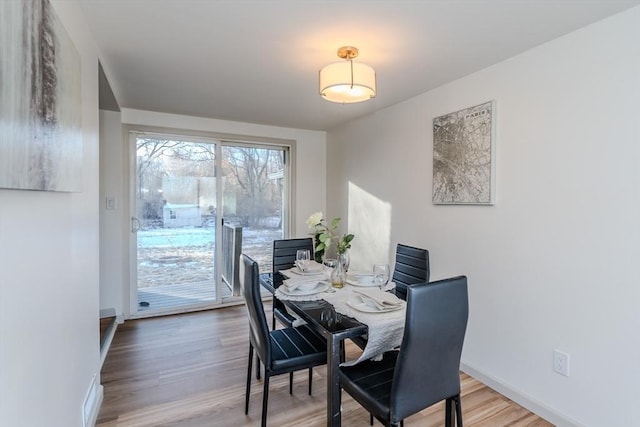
(189, 370)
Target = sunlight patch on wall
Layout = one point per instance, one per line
(370, 222)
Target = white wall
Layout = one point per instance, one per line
(553, 265)
(113, 238)
(309, 181)
(49, 329)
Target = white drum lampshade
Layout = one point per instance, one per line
(347, 81)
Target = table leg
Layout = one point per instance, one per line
(333, 383)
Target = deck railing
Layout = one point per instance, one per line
(231, 249)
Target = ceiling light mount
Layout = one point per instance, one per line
(348, 52)
(347, 81)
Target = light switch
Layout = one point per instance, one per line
(111, 203)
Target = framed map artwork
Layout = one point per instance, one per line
(464, 156)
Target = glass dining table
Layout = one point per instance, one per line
(333, 326)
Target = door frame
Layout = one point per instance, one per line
(130, 134)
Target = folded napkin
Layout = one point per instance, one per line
(295, 285)
(295, 281)
(312, 268)
(378, 298)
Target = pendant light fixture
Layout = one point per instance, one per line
(347, 81)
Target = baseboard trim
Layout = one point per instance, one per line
(522, 399)
(109, 334)
(92, 403)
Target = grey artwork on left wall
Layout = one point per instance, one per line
(40, 100)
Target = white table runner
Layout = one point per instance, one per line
(385, 329)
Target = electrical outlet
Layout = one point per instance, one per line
(561, 362)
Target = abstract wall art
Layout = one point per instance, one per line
(464, 156)
(40, 100)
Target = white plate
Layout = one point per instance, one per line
(361, 280)
(358, 304)
(310, 272)
(360, 273)
(320, 287)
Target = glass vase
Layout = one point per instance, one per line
(345, 259)
(317, 255)
(339, 273)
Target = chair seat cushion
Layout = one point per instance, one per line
(296, 348)
(369, 383)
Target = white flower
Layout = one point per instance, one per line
(314, 219)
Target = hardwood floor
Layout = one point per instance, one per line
(189, 370)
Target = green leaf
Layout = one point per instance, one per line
(320, 247)
(348, 238)
(335, 222)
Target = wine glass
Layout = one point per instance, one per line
(381, 274)
(302, 259)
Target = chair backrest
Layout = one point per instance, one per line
(258, 328)
(284, 252)
(412, 266)
(428, 366)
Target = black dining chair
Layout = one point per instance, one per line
(426, 368)
(280, 351)
(412, 266)
(284, 257)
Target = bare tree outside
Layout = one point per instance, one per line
(252, 174)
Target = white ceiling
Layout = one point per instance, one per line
(258, 61)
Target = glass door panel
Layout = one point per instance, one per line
(175, 199)
(254, 196)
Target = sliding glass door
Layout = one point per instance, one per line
(198, 203)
